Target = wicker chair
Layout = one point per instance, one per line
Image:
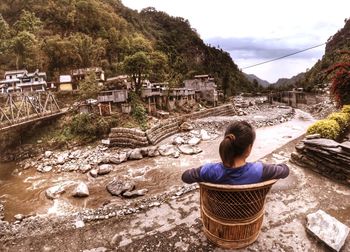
(232, 215)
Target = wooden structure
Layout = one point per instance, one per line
(232, 215)
(20, 108)
(114, 96)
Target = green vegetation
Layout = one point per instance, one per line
(88, 88)
(342, 119)
(139, 112)
(326, 128)
(346, 109)
(336, 53)
(57, 36)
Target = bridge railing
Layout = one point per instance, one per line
(20, 107)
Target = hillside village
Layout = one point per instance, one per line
(103, 108)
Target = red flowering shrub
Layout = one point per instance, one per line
(340, 88)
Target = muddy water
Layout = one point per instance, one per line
(24, 193)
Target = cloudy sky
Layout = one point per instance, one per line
(253, 31)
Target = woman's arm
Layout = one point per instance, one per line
(274, 171)
(191, 175)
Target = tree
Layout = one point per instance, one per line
(89, 51)
(24, 46)
(88, 88)
(225, 84)
(138, 66)
(28, 22)
(159, 66)
(4, 35)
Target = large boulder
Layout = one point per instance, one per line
(167, 150)
(54, 192)
(135, 193)
(328, 229)
(153, 151)
(189, 150)
(204, 135)
(194, 141)
(178, 140)
(104, 169)
(186, 126)
(135, 154)
(81, 190)
(118, 187)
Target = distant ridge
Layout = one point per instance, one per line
(261, 82)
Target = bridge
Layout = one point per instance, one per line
(19, 109)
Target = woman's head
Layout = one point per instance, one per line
(238, 140)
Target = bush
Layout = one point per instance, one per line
(138, 110)
(346, 109)
(91, 126)
(341, 118)
(326, 128)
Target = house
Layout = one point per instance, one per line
(114, 96)
(205, 88)
(9, 84)
(118, 82)
(22, 81)
(162, 96)
(78, 75)
(65, 83)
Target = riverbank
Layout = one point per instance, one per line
(162, 178)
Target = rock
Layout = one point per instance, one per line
(144, 151)
(135, 154)
(153, 151)
(61, 160)
(186, 126)
(178, 140)
(19, 217)
(81, 190)
(322, 142)
(54, 192)
(194, 141)
(118, 158)
(167, 150)
(136, 193)
(94, 173)
(85, 168)
(104, 169)
(328, 229)
(47, 168)
(176, 154)
(117, 187)
(204, 135)
(48, 154)
(345, 145)
(189, 150)
(79, 224)
(313, 136)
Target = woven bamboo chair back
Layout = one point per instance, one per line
(232, 215)
(234, 202)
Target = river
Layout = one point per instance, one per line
(24, 192)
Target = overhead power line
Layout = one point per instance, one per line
(285, 56)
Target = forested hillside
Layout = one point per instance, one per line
(59, 35)
(337, 52)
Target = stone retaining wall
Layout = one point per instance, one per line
(134, 138)
(163, 130)
(325, 156)
(124, 137)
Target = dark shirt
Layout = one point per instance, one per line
(249, 173)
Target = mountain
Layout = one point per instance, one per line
(252, 77)
(59, 35)
(291, 82)
(334, 54)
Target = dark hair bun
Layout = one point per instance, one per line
(231, 136)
